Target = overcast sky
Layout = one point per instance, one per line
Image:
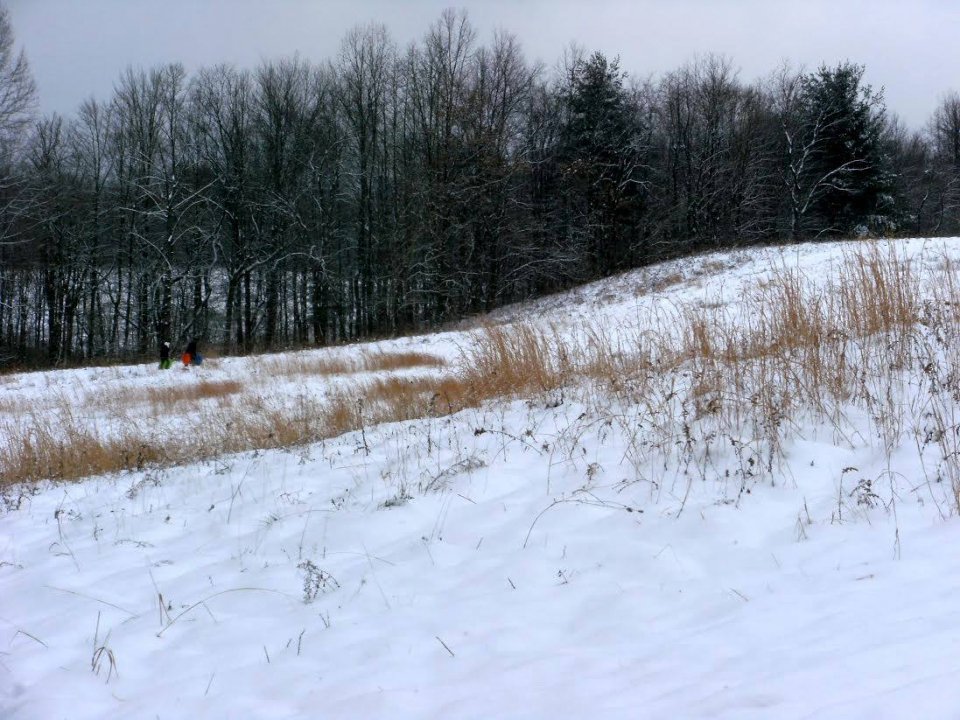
(77, 48)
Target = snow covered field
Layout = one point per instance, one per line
(568, 554)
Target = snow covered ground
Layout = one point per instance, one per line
(520, 560)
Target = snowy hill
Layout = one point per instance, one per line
(732, 492)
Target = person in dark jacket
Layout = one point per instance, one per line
(165, 361)
(191, 355)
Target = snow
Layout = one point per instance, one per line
(508, 561)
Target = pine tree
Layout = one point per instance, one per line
(601, 154)
(849, 163)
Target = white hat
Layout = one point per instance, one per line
(167, 343)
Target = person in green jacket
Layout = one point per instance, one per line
(165, 361)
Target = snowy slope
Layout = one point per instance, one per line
(512, 561)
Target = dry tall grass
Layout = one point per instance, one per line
(516, 360)
(799, 347)
(41, 449)
(307, 365)
(167, 399)
(384, 360)
(304, 365)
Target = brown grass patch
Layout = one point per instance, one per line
(404, 360)
(167, 398)
(161, 400)
(305, 365)
(40, 451)
(313, 365)
(516, 360)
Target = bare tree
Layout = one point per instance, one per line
(364, 66)
(944, 136)
(222, 129)
(17, 102)
(919, 180)
(17, 88)
(439, 72)
(716, 157)
(89, 139)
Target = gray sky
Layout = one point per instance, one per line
(77, 48)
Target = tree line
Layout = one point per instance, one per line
(395, 189)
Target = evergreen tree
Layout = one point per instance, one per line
(850, 171)
(601, 154)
